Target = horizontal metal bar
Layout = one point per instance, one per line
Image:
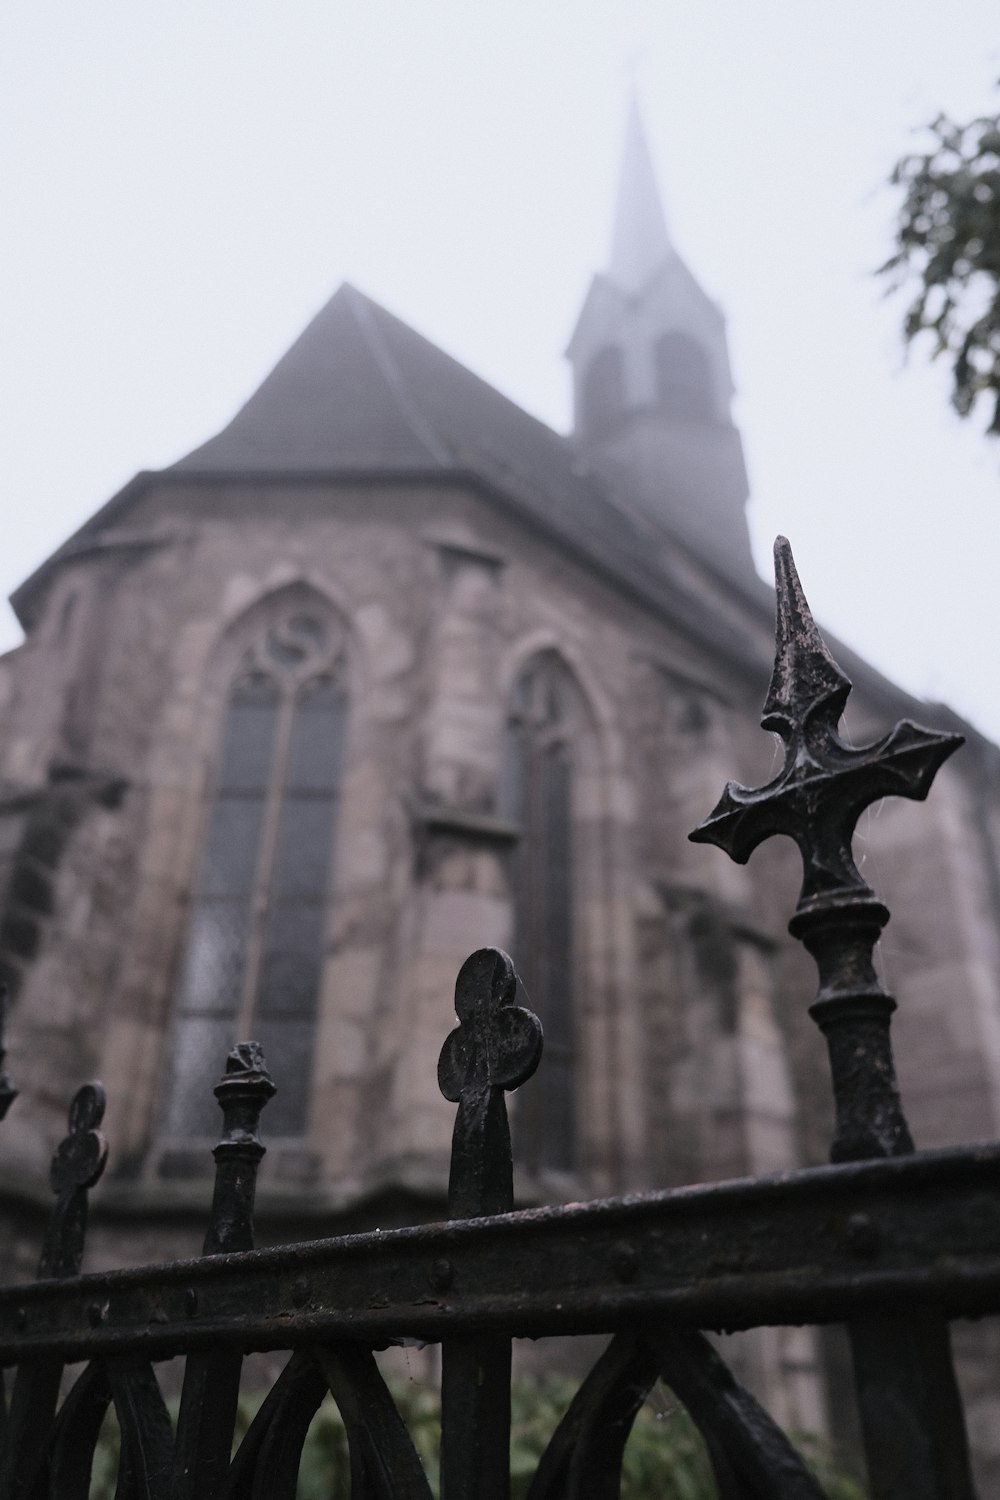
(815, 1246)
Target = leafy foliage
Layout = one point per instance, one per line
(665, 1458)
(947, 254)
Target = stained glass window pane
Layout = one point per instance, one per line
(279, 771)
(200, 1048)
(557, 941)
(229, 861)
(247, 752)
(212, 976)
(538, 792)
(304, 849)
(512, 773)
(317, 737)
(288, 1047)
(290, 967)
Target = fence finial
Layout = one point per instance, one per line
(817, 798)
(242, 1091)
(211, 1389)
(824, 785)
(77, 1164)
(496, 1046)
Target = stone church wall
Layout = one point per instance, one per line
(696, 1056)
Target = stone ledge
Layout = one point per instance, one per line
(458, 823)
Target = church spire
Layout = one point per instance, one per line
(640, 240)
(652, 389)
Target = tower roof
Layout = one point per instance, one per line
(640, 240)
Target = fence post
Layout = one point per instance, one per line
(496, 1046)
(77, 1164)
(911, 1413)
(212, 1381)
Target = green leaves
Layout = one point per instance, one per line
(665, 1458)
(947, 255)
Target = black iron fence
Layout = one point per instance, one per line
(891, 1242)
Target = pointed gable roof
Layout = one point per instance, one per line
(359, 390)
(336, 399)
(388, 402)
(360, 393)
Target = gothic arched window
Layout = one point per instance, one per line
(602, 397)
(543, 726)
(254, 945)
(683, 377)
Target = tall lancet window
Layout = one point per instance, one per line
(602, 395)
(543, 726)
(254, 947)
(683, 377)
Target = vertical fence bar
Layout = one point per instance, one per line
(211, 1388)
(496, 1046)
(8, 1093)
(77, 1164)
(911, 1413)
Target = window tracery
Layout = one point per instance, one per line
(254, 945)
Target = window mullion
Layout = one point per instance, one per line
(260, 898)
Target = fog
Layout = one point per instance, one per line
(188, 182)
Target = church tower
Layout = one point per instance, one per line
(651, 378)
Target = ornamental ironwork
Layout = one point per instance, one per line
(890, 1241)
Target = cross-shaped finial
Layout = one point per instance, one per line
(496, 1046)
(817, 798)
(824, 785)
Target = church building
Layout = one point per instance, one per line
(388, 670)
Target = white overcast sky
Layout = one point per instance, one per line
(187, 181)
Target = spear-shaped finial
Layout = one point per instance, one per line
(816, 799)
(804, 671)
(824, 785)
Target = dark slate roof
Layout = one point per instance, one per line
(360, 391)
(340, 397)
(361, 394)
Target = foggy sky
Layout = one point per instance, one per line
(187, 182)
